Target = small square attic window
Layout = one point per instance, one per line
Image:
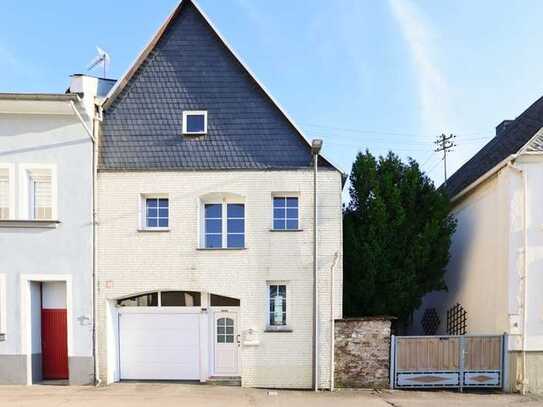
(195, 122)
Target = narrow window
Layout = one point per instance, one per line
(213, 225)
(277, 305)
(285, 213)
(195, 122)
(156, 213)
(40, 194)
(236, 225)
(4, 194)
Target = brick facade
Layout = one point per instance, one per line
(131, 262)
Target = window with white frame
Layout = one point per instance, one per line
(285, 213)
(224, 225)
(156, 212)
(277, 305)
(5, 196)
(40, 193)
(195, 122)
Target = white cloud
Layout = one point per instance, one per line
(433, 89)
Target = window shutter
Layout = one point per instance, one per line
(4, 194)
(41, 194)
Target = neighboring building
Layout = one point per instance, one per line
(205, 223)
(46, 236)
(497, 199)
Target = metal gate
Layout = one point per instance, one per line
(447, 361)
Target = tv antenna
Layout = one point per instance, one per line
(102, 58)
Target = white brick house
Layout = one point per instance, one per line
(205, 223)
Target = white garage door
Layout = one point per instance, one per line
(159, 346)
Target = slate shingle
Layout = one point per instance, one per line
(516, 136)
(191, 69)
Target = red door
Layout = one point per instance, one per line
(54, 343)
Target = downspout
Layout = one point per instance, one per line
(97, 118)
(93, 136)
(522, 173)
(316, 146)
(332, 322)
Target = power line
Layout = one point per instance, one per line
(385, 132)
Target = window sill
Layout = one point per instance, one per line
(144, 230)
(198, 134)
(29, 223)
(221, 248)
(286, 230)
(279, 328)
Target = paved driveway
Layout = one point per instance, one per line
(166, 395)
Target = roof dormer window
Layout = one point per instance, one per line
(195, 122)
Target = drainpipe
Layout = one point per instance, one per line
(316, 146)
(93, 134)
(332, 322)
(522, 173)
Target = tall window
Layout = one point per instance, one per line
(4, 194)
(277, 304)
(235, 225)
(285, 213)
(213, 226)
(224, 225)
(40, 194)
(156, 213)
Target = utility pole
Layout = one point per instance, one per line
(445, 144)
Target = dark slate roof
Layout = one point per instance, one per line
(189, 67)
(513, 139)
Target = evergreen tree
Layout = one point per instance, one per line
(397, 233)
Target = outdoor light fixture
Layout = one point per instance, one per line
(316, 146)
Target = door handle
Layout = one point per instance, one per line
(237, 338)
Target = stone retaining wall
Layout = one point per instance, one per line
(362, 352)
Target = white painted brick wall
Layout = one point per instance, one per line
(136, 262)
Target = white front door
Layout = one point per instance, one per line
(226, 344)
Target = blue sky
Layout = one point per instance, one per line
(384, 75)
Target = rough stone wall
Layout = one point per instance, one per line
(362, 352)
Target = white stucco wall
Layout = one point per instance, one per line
(61, 141)
(132, 262)
(532, 165)
(476, 276)
(487, 257)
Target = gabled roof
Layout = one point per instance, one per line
(518, 135)
(259, 135)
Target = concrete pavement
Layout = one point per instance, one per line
(194, 395)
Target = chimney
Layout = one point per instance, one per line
(502, 128)
(90, 88)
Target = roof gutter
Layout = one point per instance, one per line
(52, 97)
(484, 177)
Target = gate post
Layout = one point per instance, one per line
(461, 355)
(505, 362)
(392, 366)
